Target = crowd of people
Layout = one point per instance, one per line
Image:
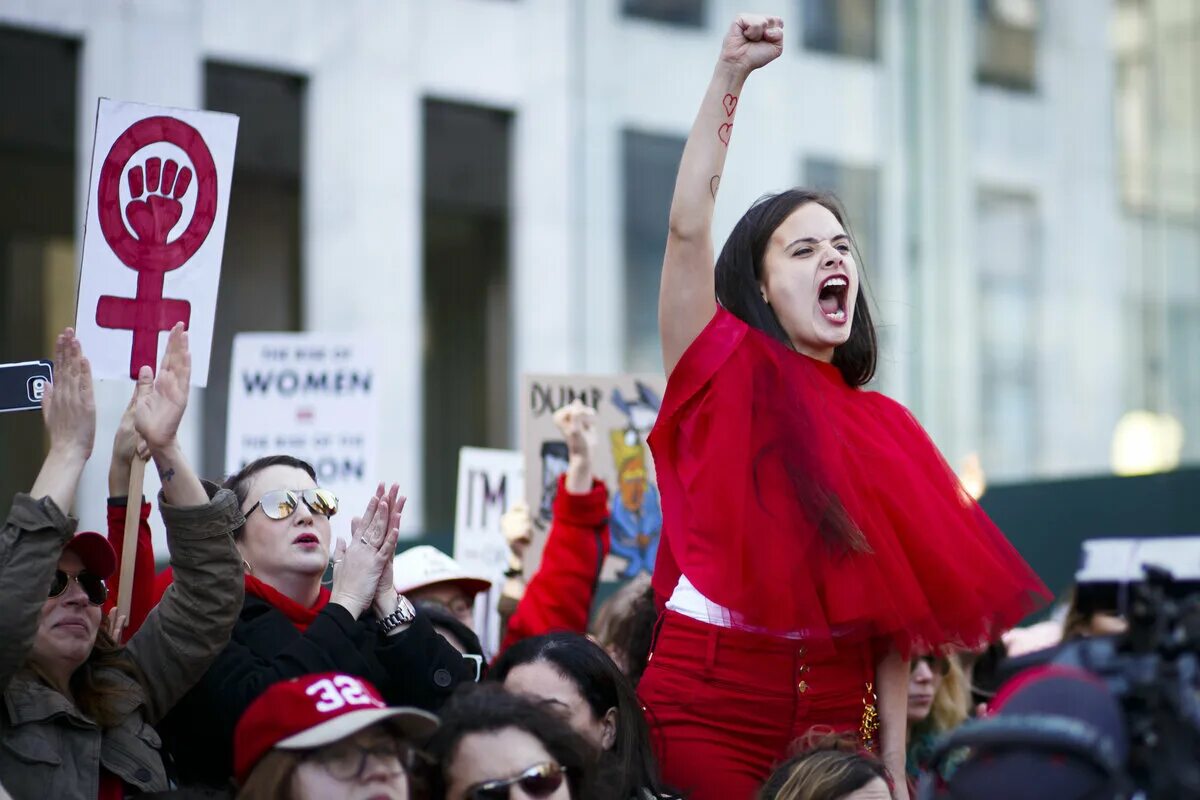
(822, 595)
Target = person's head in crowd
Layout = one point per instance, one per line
(426, 574)
(71, 644)
(286, 540)
(327, 735)
(1056, 732)
(460, 637)
(574, 676)
(625, 626)
(949, 704)
(495, 744)
(828, 768)
(789, 268)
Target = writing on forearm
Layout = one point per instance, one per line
(167, 474)
(730, 103)
(714, 183)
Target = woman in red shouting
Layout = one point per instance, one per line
(813, 535)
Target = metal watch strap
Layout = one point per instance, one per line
(403, 615)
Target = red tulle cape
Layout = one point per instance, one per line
(761, 450)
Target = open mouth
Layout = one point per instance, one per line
(832, 298)
(307, 539)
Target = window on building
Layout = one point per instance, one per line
(1006, 43)
(1009, 247)
(261, 266)
(649, 162)
(674, 12)
(39, 79)
(466, 235)
(857, 188)
(841, 27)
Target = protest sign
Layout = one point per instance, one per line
(626, 407)
(489, 483)
(154, 231)
(310, 395)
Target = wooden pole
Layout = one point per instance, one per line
(133, 513)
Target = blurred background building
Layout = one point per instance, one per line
(483, 186)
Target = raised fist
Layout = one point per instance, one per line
(753, 41)
(162, 184)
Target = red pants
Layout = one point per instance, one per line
(724, 706)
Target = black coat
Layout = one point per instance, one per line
(416, 667)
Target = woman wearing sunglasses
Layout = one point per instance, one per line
(493, 745)
(325, 736)
(291, 625)
(77, 708)
(573, 676)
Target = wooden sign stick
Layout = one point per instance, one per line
(133, 513)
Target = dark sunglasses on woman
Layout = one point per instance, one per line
(97, 592)
(282, 503)
(540, 780)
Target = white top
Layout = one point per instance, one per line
(688, 601)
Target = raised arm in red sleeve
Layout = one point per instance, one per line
(559, 596)
(143, 598)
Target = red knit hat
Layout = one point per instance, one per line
(315, 710)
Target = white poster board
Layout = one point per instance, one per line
(313, 396)
(153, 234)
(490, 482)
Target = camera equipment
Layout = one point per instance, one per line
(1153, 671)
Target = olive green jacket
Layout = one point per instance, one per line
(48, 747)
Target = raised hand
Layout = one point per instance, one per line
(127, 445)
(577, 423)
(69, 412)
(162, 399)
(753, 41)
(68, 405)
(385, 591)
(359, 565)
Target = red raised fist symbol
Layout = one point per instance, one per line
(154, 209)
(153, 218)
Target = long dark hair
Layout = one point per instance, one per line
(629, 765)
(740, 268)
(239, 482)
(487, 708)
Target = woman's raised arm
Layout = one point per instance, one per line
(686, 298)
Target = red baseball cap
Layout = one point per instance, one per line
(95, 552)
(315, 710)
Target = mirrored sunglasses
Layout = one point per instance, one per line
(282, 503)
(92, 584)
(540, 780)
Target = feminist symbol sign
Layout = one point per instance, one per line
(149, 313)
(159, 196)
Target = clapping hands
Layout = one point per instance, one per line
(362, 571)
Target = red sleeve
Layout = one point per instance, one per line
(559, 596)
(142, 599)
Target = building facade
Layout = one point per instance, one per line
(483, 186)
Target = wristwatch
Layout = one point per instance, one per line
(403, 615)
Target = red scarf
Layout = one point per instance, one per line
(300, 616)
